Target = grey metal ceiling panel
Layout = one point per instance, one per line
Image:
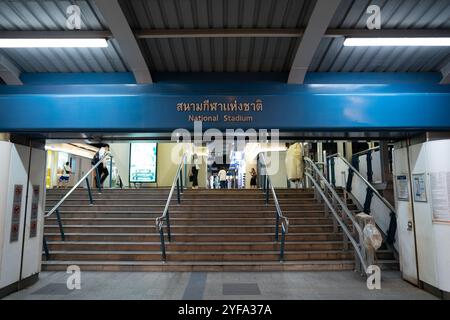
(51, 15)
(221, 54)
(179, 14)
(67, 59)
(401, 14)
(332, 56)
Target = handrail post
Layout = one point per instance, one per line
(283, 237)
(163, 245)
(178, 191)
(277, 223)
(181, 180)
(169, 235)
(61, 229)
(110, 171)
(45, 246)
(91, 201)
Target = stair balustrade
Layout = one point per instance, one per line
(334, 204)
(165, 217)
(279, 217)
(55, 209)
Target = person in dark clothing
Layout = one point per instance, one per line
(101, 169)
(194, 171)
(253, 179)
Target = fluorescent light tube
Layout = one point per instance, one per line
(397, 42)
(53, 43)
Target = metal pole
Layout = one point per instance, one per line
(163, 246)
(277, 223)
(91, 201)
(178, 191)
(181, 180)
(283, 236)
(61, 229)
(44, 244)
(110, 171)
(169, 236)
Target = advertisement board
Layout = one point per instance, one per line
(143, 158)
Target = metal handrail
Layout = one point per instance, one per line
(159, 221)
(358, 247)
(375, 191)
(334, 193)
(279, 214)
(76, 186)
(366, 151)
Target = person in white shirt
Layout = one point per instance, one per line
(223, 178)
(65, 176)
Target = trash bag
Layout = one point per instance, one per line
(372, 237)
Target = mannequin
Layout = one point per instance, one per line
(294, 164)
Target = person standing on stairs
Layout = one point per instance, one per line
(223, 178)
(194, 171)
(253, 179)
(102, 170)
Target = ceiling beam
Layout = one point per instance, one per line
(446, 74)
(230, 33)
(9, 73)
(121, 31)
(315, 30)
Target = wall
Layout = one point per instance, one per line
(16, 169)
(430, 160)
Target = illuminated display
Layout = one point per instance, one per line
(143, 162)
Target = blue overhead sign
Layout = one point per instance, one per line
(165, 107)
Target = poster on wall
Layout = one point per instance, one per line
(402, 188)
(143, 162)
(440, 195)
(419, 188)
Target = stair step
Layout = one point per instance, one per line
(200, 256)
(204, 266)
(190, 246)
(188, 228)
(224, 237)
(186, 221)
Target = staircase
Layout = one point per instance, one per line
(212, 230)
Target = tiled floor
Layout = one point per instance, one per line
(220, 285)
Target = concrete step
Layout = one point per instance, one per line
(185, 202)
(191, 246)
(201, 256)
(203, 266)
(180, 220)
(176, 212)
(182, 237)
(190, 208)
(187, 229)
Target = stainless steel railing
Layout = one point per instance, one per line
(334, 204)
(165, 217)
(268, 187)
(367, 183)
(55, 208)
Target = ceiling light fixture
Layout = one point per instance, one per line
(397, 42)
(54, 43)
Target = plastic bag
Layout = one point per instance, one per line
(372, 237)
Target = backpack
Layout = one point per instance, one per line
(96, 158)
